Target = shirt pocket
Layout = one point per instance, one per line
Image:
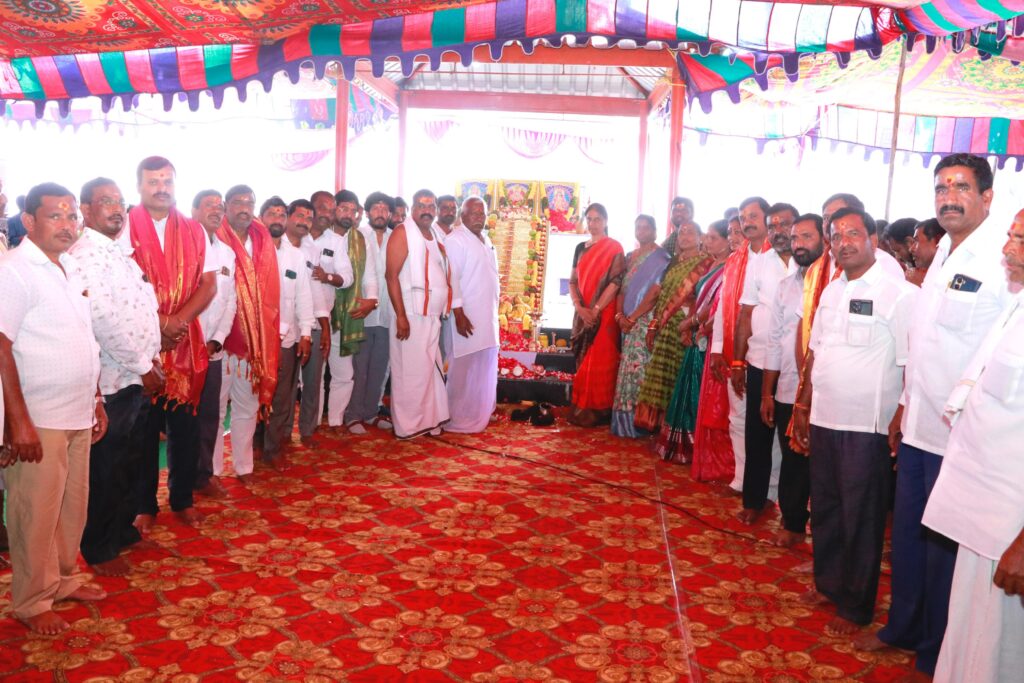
(1003, 375)
(859, 329)
(956, 309)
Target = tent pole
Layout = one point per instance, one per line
(642, 161)
(403, 110)
(341, 133)
(895, 126)
(675, 150)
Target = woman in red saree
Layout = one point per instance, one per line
(597, 270)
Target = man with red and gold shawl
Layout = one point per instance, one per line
(254, 344)
(171, 250)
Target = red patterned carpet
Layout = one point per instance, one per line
(440, 560)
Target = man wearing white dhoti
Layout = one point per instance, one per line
(473, 363)
(978, 500)
(421, 288)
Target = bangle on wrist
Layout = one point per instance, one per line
(801, 406)
(738, 364)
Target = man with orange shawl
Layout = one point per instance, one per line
(171, 251)
(253, 346)
(597, 269)
(724, 331)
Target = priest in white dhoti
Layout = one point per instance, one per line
(421, 287)
(978, 499)
(473, 339)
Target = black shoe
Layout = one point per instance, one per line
(544, 416)
(524, 414)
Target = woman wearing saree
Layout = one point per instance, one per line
(675, 441)
(675, 298)
(635, 304)
(597, 269)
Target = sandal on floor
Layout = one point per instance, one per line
(544, 416)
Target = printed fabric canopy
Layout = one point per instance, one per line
(58, 50)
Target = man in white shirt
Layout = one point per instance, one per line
(978, 499)
(782, 377)
(297, 322)
(421, 287)
(755, 231)
(753, 327)
(370, 362)
(473, 368)
(49, 365)
(171, 250)
(125, 323)
(253, 346)
(859, 343)
(328, 265)
(961, 296)
(352, 304)
(447, 210)
(216, 321)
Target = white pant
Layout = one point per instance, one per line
(342, 381)
(737, 425)
(984, 641)
(237, 387)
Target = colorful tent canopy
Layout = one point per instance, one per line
(58, 38)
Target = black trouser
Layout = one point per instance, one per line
(794, 476)
(209, 422)
(850, 488)
(312, 372)
(182, 429)
(113, 472)
(282, 408)
(757, 472)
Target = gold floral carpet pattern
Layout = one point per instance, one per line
(440, 560)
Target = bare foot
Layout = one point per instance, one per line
(46, 624)
(246, 479)
(213, 489)
(190, 516)
(749, 516)
(87, 594)
(278, 464)
(868, 641)
(144, 523)
(841, 627)
(310, 441)
(813, 597)
(115, 567)
(788, 539)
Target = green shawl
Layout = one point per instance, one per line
(347, 298)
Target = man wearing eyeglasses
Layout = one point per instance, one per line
(127, 328)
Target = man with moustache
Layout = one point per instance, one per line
(297, 322)
(125, 323)
(53, 409)
(398, 215)
(473, 369)
(370, 362)
(329, 268)
(681, 214)
(171, 250)
(962, 295)
(753, 213)
(753, 327)
(859, 344)
(216, 321)
(351, 306)
(782, 376)
(978, 500)
(253, 346)
(447, 209)
(421, 287)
